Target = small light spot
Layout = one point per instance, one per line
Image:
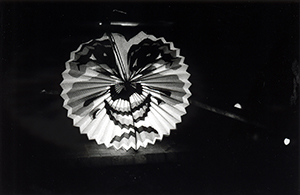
(286, 141)
(92, 57)
(237, 105)
(159, 56)
(100, 23)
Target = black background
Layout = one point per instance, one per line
(236, 52)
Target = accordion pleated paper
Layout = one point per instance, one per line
(126, 93)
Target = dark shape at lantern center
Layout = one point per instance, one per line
(125, 90)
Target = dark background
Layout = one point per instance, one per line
(236, 52)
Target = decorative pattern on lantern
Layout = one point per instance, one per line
(126, 93)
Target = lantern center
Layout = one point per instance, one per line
(125, 90)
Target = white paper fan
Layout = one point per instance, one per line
(126, 93)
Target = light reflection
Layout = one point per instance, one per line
(237, 105)
(286, 141)
(124, 23)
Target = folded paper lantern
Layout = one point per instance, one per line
(126, 93)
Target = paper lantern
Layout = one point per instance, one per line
(126, 94)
